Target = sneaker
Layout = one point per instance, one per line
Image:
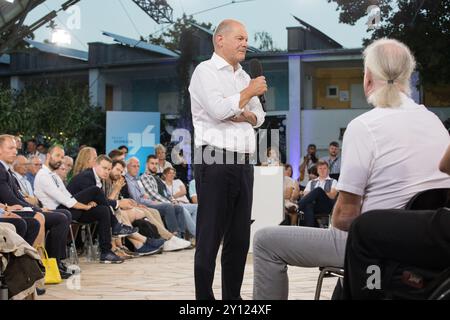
(176, 244)
(110, 258)
(121, 230)
(152, 246)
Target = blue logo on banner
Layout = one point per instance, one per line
(139, 131)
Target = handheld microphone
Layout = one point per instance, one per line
(255, 72)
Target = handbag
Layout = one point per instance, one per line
(52, 275)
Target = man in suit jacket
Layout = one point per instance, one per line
(56, 222)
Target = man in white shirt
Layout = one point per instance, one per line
(87, 206)
(319, 195)
(389, 154)
(225, 111)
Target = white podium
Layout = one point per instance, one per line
(268, 201)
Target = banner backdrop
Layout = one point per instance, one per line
(139, 131)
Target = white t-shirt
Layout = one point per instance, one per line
(175, 188)
(391, 154)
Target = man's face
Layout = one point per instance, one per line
(311, 150)
(133, 168)
(68, 163)
(18, 143)
(31, 147)
(35, 166)
(21, 165)
(8, 151)
(116, 172)
(234, 44)
(41, 149)
(333, 150)
(323, 171)
(152, 165)
(103, 169)
(55, 159)
(62, 172)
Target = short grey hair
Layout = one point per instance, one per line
(391, 62)
(224, 27)
(132, 159)
(160, 147)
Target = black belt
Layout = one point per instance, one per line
(224, 156)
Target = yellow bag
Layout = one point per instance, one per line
(52, 275)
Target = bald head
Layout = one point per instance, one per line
(133, 166)
(230, 41)
(21, 165)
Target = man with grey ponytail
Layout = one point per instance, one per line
(389, 154)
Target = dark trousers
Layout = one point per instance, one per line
(376, 238)
(225, 194)
(57, 225)
(27, 228)
(315, 201)
(101, 214)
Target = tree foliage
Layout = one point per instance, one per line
(424, 25)
(58, 113)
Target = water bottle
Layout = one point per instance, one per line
(88, 251)
(95, 251)
(3, 288)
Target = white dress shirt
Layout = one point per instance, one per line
(215, 94)
(51, 191)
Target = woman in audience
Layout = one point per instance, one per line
(291, 194)
(85, 160)
(161, 154)
(177, 191)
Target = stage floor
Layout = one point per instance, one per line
(168, 276)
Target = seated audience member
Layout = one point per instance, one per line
(88, 205)
(193, 192)
(319, 195)
(334, 160)
(95, 177)
(176, 192)
(68, 164)
(137, 192)
(20, 169)
(27, 228)
(117, 154)
(56, 222)
(119, 189)
(308, 161)
(62, 173)
(19, 145)
(291, 194)
(113, 184)
(32, 150)
(35, 166)
(157, 190)
(273, 158)
(85, 160)
(375, 239)
(161, 153)
(383, 166)
(124, 149)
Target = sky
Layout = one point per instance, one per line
(125, 18)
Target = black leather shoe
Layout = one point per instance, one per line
(64, 274)
(40, 292)
(62, 266)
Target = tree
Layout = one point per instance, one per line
(171, 38)
(264, 41)
(423, 25)
(55, 113)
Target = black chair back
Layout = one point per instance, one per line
(432, 199)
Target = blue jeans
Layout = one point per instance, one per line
(190, 215)
(315, 201)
